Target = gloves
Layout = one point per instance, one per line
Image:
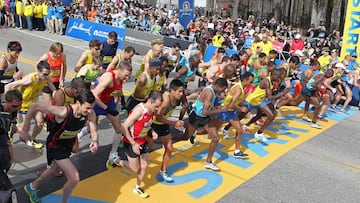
(112, 112)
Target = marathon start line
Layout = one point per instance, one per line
(194, 183)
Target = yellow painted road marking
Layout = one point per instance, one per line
(68, 74)
(194, 183)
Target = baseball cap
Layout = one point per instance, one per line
(297, 36)
(353, 54)
(154, 63)
(325, 49)
(340, 65)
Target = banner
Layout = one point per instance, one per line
(140, 40)
(169, 42)
(85, 30)
(351, 30)
(186, 12)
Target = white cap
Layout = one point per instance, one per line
(340, 65)
(297, 36)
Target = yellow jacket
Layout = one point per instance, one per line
(44, 8)
(38, 11)
(29, 10)
(19, 8)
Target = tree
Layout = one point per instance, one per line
(236, 10)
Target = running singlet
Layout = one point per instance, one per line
(108, 52)
(89, 59)
(141, 127)
(159, 82)
(63, 135)
(90, 74)
(142, 66)
(147, 89)
(55, 67)
(229, 97)
(105, 96)
(170, 109)
(199, 105)
(258, 96)
(31, 92)
(184, 78)
(10, 70)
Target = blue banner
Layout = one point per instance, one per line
(186, 12)
(85, 30)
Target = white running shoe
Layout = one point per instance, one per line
(166, 177)
(211, 166)
(225, 133)
(260, 137)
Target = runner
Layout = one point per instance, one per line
(201, 115)
(234, 98)
(69, 120)
(137, 127)
(144, 85)
(161, 123)
(8, 65)
(31, 86)
(110, 46)
(109, 82)
(90, 72)
(125, 55)
(260, 100)
(95, 47)
(173, 55)
(58, 67)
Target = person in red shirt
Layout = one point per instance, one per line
(296, 44)
(138, 126)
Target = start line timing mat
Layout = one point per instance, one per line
(194, 183)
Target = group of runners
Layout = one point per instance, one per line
(227, 93)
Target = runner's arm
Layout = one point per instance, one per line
(27, 80)
(81, 61)
(94, 144)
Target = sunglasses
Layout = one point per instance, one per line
(98, 49)
(46, 74)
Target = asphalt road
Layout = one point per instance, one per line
(324, 169)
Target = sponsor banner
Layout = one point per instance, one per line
(184, 44)
(85, 30)
(186, 12)
(140, 40)
(351, 31)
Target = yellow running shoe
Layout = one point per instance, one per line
(141, 192)
(34, 144)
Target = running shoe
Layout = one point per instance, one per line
(211, 166)
(192, 138)
(261, 121)
(246, 129)
(241, 155)
(307, 119)
(315, 125)
(141, 192)
(322, 118)
(343, 111)
(113, 161)
(333, 109)
(225, 133)
(260, 137)
(35, 144)
(32, 194)
(166, 177)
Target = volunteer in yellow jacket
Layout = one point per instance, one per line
(31, 86)
(95, 47)
(19, 15)
(28, 13)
